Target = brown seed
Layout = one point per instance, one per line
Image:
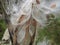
(53, 5)
(38, 2)
(21, 18)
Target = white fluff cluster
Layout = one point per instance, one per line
(38, 12)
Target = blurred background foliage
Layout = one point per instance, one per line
(2, 22)
(2, 27)
(51, 31)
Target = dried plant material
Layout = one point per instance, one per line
(27, 17)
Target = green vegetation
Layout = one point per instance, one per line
(2, 28)
(51, 31)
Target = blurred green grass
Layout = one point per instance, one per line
(2, 28)
(51, 31)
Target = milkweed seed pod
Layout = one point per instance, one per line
(30, 20)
